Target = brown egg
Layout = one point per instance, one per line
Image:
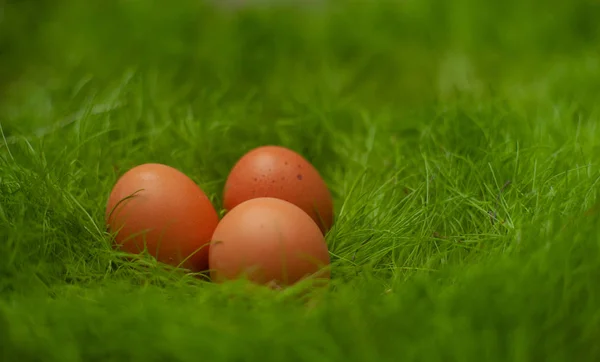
(269, 241)
(273, 171)
(160, 207)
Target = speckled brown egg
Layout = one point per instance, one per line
(268, 241)
(278, 172)
(157, 207)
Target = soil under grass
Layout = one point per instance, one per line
(459, 139)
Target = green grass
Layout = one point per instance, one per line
(459, 139)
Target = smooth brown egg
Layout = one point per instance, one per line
(273, 171)
(159, 207)
(268, 241)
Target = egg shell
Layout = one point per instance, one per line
(160, 207)
(274, 171)
(268, 241)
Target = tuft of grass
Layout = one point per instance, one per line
(459, 141)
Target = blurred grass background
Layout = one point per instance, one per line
(459, 139)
